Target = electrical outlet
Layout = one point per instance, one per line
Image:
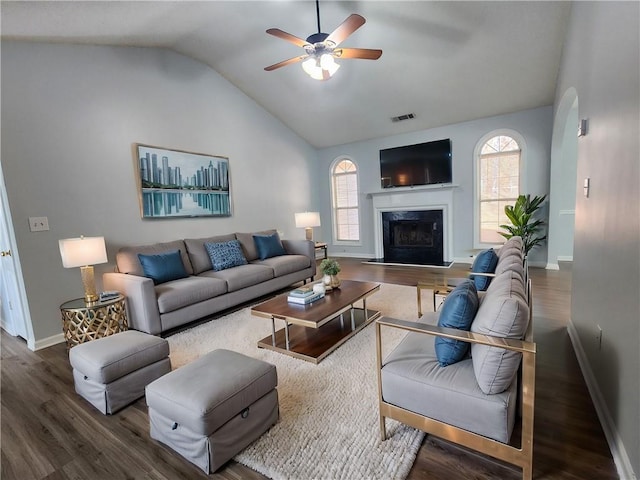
(599, 337)
(38, 224)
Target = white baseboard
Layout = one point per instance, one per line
(618, 451)
(552, 266)
(47, 342)
(565, 258)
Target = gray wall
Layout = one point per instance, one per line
(70, 115)
(601, 60)
(533, 125)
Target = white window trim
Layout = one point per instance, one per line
(517, 136)
(334, 228)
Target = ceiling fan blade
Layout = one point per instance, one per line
(285, 63)
(366, 53)
(276, 32)
(346, 28)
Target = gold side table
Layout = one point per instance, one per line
(82, 322)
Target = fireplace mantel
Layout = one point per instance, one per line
(397, 190)
(433, 197)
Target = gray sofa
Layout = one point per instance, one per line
(156, 308)
(473, 401)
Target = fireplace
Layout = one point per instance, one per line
(413, 237)
(430, 200)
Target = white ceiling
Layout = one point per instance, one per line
(446, 62)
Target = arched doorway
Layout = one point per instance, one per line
(563, 180)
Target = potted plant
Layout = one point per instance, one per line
(330, 269)
(523, 221)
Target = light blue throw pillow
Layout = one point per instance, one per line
(485, 262)
(163, 267)
(225, 255)
(268, 246)
(458, 311)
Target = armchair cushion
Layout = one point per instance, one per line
(413, 379)
(485, 262)
(269, 246)
(503, 313)
(457, 311)
(163, 267)
(225, 254)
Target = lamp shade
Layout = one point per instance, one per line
(79, 252)
(307, 219)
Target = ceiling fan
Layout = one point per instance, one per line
(321, 49)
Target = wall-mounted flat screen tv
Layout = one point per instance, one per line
(422, 164)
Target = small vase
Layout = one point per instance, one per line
(335, 281)
(327, 282)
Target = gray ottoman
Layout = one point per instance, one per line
(112, 372)
(212, 408)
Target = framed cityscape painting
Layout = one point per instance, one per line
(173, 183)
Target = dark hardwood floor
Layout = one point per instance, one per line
(49, 432)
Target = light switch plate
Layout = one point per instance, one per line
(38, 224)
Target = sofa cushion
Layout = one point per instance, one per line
(285, 264)
(128, 261)
(249, 245)
(457, 311)
(188, 291)
(200, 260)
(413, 379)
(163, 267)
(268, 246)
(242, 276)
(225, 255)
(505, 315)
(485, 262)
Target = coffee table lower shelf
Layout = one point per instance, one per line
(314, 344)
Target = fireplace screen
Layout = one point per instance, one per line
(413, 237)
(412, 234)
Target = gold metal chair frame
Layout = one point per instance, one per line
(520, 456)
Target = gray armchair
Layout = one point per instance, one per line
(475, 399)
(432, 407)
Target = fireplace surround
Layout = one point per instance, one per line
(425, 199)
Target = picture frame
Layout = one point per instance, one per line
(176, 183)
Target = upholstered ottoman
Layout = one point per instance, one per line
(113, 371)
(212, 408)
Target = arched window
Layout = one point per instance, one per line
(344, 195)
(498, 180)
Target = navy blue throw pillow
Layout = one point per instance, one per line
(163, 267)
(225, 255)
(457, 311)
(485, 262)
(268, 246)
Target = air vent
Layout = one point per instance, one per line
(406, 116)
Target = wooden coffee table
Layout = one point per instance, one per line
(311, 332)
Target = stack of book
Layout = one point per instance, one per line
(304, 295)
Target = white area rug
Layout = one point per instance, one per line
(328, 427)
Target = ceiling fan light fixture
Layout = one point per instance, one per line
(320, 68)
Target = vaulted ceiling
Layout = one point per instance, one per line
(445, 62)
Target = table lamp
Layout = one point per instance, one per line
(84, 252)
(308, 220)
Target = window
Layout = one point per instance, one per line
(346, 215)
(498, 180)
